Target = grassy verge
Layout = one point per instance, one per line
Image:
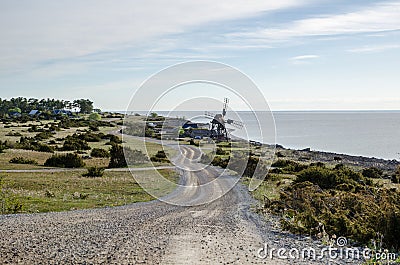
(63, 191)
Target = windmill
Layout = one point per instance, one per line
(218, 123)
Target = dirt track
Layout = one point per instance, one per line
(224, 231)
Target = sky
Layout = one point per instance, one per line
(302, 54)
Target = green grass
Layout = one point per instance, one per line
(271, 187)
(63, 191)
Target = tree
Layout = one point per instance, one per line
(94, 116)
(117, 157)
(16, 109)
(121, 157)
(85, 105)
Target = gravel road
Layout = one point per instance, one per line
(224, 231)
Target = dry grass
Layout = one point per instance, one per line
(8, 154)
(62, 191)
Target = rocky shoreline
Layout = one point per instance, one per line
(308, 155)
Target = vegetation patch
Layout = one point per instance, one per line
(65, 161)
(161, 157)
(64, 191)
(120, 157)
(99, 152)
(339, 201)
(9, 202)
(94, 172)
(21, 160)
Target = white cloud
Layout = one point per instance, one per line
(377, 48)
(303, 59)
(46, 30)
(375, 18)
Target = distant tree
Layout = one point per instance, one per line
(95, 116)
(85, 105)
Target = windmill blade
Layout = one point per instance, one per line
(209, 114)
(225, 107)
(236, 124)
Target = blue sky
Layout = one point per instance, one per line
(303, 54)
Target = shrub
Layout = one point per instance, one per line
(99, 152)
(66, 161)
(21, 160)
(396, 177)
(372, 172)
(161, 156)
(43, 135)
(88, 137)
(119, 156)
(328, 178)
(289, 166)
(114, 139)
(248, 165)
(94, 127)
(45, 148)
(3, 146)
(95, 116)
(221, 162)
(193, 142)
(27, 143)
(74, 144)
(94, 172)
(220, 151)
(13, 134)
(359, 215)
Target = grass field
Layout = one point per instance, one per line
(63, 191)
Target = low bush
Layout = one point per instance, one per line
(339, 202)
(161, 156)
(372, 172)
(99, 152)
(289, 166)
(65, 161)
(43, 135)
(193, 142)
(220, 151)
(94, 172)
(330, 178)
(3, 146)
(72, 143)
(27, 143)
(114, 139)
(89, 137)
(21, 160)
(13, 134)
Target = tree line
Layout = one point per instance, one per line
(23, 105)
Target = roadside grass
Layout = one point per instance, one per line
(63, 191)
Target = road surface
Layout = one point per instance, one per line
(224, 231)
